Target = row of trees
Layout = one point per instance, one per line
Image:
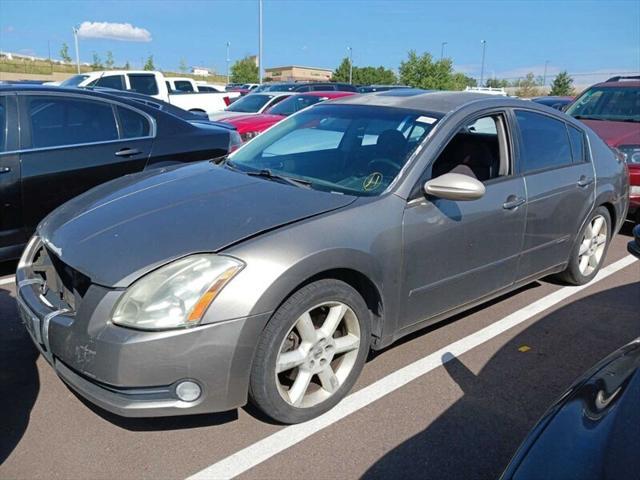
(531, 86)
(109, 62)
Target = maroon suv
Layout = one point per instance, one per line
(612, 110)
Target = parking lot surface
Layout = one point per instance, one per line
(452, 401)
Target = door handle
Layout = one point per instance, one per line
(127, 152)
(4, 170)
(514, 203)
(584, 181)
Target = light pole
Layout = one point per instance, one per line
(228, 60)
(544, 76)
(350, 64)
(442, 49)
(484, 48)
(260, 41)
(75, 38)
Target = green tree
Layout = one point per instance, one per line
(64, 53)
(341, 74)
(527, 87)
(109, 62)
(149, 64)
(183, 65)
(496, 83)
(562, 84)
(127, 66)
(244, 71)
(421, 71)
(364, 75)
(96, 64)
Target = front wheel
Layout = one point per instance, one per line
(588, 254)
(311, 352)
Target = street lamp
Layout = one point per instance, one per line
(484, 48)
(350, 64)
(260, 41)
(442, 49)
(544, 77)
(75, 38)
(228, 60)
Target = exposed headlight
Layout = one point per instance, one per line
(631, 153)
(176, 295)
(246, 136)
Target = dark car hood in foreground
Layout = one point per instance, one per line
(591, 433)
(118, 231)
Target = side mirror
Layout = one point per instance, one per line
(455, 186)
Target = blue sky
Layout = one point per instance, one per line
(579, 36)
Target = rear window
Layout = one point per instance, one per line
(143, 83)
(249, 103)
(545, 143)
(295, 103)
(183, 86)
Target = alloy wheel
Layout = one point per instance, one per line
(317, 354)
(593, 245)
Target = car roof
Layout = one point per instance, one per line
(328, 94)
(431, 101)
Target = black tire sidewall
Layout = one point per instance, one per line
(263, 390)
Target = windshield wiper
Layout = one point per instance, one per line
(266, 173)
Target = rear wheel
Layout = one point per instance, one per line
(311, 352)
(589, 252)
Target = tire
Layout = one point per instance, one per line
(575, 273)
(298, 339)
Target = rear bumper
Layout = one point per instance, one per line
(134, 373)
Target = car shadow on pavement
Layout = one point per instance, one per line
(19, 380)
(477, 435)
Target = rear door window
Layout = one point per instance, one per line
(544, 142)
(60, 121)
(143, 83)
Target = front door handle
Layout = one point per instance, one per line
(127, 152)
(4, 170)
(584, 181)
(513, 202)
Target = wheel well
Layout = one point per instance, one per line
(612, 214)
(362, 284)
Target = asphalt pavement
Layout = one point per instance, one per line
(451, 401)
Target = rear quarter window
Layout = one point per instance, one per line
(576, 138)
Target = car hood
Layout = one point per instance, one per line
(616, 133)
(254, 123)
(121, 230)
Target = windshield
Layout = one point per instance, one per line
(620, 104)
(74, 81)
(294, 103)
(249, 103)
(352, 149)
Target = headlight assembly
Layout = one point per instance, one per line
(176, 295)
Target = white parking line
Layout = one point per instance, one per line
(8, 280)
(275, 443)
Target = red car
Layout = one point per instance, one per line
(250, 126)
(612, 110)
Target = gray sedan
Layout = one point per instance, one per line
(270, 277)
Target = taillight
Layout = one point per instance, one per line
(227, 101)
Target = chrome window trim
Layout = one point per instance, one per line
(111, 103)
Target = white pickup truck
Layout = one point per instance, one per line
(154, 84)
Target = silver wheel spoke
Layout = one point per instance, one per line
(305, 328)
(584, 262)
(597, 224)
(588, 234)
(329, 380)
(289, 360)
(593, 261)
(601, 239)
(299, 387)
(333, 319)
(584, 246)
(346, 344)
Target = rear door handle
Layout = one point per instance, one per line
(4, 170)
(584, 181)
(514, 203)
(127, 152)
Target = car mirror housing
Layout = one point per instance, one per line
(454, 186)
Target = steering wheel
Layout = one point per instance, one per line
(386, 164)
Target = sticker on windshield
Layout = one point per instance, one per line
(372, 181)
(429, 120)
